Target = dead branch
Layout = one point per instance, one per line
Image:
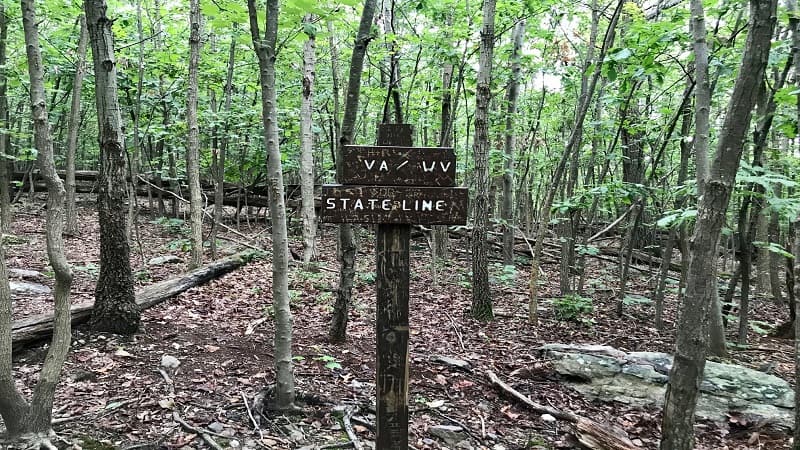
(348, 428)
(589, 433)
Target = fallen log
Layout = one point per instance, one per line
(33, 329)
(589, 433)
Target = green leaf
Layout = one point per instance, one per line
(620, 54)
(773, 247)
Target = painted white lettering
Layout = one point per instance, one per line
(427, 205)
(427, 168)
(370, 163)
(402, 164)
(444, 166)
(372, 203)
(344, 203)
(405, 207)
(358, 205)
(330, 203)
(440, 205)
(384, 167)
(386, 204)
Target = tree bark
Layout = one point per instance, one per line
(5, 140)
(481, 295)
(307, 143)
(266, 50)
(115, 307)
(193, 139)
(21, 419)
(219, 167)
(74, 119)
(347, 244)
(509, 163)
(692, 334)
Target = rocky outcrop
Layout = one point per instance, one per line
(640, 378)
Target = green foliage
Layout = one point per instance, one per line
(634, 299)
(366, 277)
(590, 250)
(773, 247)
(503, 274)
(182, 244)
(573, 307)
(331, 362)
(90, 268)
(172, 225)
(761, 327)
(142, 275)
(677, 218)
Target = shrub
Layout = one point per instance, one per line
(573, 307)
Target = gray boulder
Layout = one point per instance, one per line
(26, 288)
(450, 434)
(166, 259)
(25, 274)
(640, 378)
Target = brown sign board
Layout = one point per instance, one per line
(394, 204)
(398, 166)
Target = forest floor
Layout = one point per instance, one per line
(112, 394)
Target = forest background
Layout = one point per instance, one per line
(665, 128)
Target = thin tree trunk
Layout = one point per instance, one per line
(666, 260)
(74, 119)
(193, 139)
(748, 225)
(266, 50)
(439, 236)
(775, 260)
(219, 173)
(115, 304)
(20, 418)
(135, 158)
(5, 140)
(796, 310)
(574, 138)
(307, 143)
(692, 333)
(509, 163)
(481, 295)
(347, 244)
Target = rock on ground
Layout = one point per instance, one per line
(27, 288)
(640, 378)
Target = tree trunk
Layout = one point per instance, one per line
(574, 138)
(135, 158)
(219, 172)
(512, 94)
(347, 244)
(266, 50)
(672, 239)
(74, 119)
(481, 296)
(5, 139)
(692, 333)
(115, 306)
(775, 260)
(193, 139)
(20, 418)
(439, 237)
(796, 287)
(307, 143)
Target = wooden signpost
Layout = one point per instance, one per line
(394, 185)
